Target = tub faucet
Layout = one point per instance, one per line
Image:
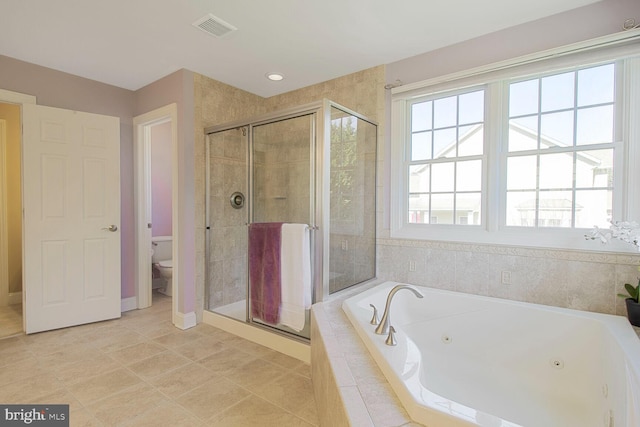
(383, 327)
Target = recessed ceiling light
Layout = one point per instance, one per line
(276, 77)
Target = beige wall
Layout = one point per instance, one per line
(11, 113)
(217, 103)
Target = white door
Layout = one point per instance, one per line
(71, 202)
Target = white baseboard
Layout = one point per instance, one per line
(128, 304)
(15, 298)
(185, 320)
(275, 342)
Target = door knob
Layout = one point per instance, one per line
(111, 228)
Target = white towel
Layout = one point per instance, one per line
(295, 275)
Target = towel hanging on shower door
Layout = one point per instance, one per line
(295, 274)
(264, 271)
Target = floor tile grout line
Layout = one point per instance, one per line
(141, 328)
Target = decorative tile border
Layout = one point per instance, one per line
(523, 251)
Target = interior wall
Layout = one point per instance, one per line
(178, 88)
(161, 180)
(574, 279)
(62, 90)
(218, 103)
(11, 113)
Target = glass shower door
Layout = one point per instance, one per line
(282, 171)
(226, 223)
(352, 200)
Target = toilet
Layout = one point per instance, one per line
(161, 254)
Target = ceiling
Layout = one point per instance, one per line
(131, 43)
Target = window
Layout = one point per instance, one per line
(528, 154)
(560, 149)
(445, 164)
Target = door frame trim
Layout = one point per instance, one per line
(142, 203)
(4, 244)
(9, 97)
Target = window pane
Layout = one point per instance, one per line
(593, 207)
(595, 125)
(444, 143)
(470, 140)
(445, 113)
(521, 208)
(468, 208)
(523, 133)
(419, 179)
(556, 171)
(469, 176)
(421, 146)
(419, 208)
(594, 169)
(521, 173)
(442, 177)
(523, 98)
(442, 208)
(596, 85)
(471, 107)
(421, 116)
(556, 129)
(558, 92)
(555, 209)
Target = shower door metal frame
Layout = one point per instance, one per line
(318, 229)
(313, 142)
(320, 162)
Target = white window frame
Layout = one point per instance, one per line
(496, 77)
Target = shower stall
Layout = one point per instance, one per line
(314, 166)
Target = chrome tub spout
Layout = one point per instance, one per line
(383, 327)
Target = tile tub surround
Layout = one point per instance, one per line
(349, 387)
(580, 280)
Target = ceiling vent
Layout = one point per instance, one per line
(214, 26)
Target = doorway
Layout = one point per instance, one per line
(10, 221)
(155, 164)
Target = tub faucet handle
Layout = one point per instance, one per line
(391, 338)
(375, 319)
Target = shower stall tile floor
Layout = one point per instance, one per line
(140, 370)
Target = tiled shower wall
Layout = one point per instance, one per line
(281, 166)
(227, 257)
(217, 103)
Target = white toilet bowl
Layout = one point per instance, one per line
(161, 259)
(166, 272)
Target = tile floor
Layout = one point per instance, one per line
(141, 371)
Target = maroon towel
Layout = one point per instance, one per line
(264, 271)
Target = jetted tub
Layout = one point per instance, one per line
(465, 360)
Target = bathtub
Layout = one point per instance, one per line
(466, 360)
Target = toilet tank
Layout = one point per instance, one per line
(161, 246)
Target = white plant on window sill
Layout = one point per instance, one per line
(627, 231)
